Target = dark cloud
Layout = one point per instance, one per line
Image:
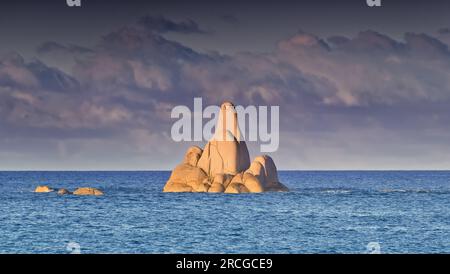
(372, 68)
(15, 72)
(444, 31)
(371, 40)
(337, 40)
(423, 43)
(51, 47)
(160, 24)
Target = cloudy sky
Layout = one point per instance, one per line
(92, 88)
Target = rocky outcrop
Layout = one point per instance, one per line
(88, 191)
(63, 191)
(43, 189)
(224, 164)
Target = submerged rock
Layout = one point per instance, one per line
(224, 164)
(63, 191)
(43, 189)
(88, 191)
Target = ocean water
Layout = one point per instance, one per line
(325, 212)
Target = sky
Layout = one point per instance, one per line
(92, 87)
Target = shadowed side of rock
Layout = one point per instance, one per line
(63, 191)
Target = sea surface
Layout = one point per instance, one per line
(325, 212)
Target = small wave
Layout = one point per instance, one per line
(435, 191)
(360, 228)
(336, 191)
(342, 191)
(326, 190)
(393, 190)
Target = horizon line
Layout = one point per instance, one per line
(169, 170)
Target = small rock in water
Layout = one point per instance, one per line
(43, 189)
(88, 191)
(64, 191)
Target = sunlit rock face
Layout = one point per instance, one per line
(43, 189)
(88, 191)
(225, 153)
(224, 164)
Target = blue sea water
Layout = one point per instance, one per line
(325, 212)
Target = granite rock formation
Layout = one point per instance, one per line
(85, 191)
(223, 166)
(88, 191)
